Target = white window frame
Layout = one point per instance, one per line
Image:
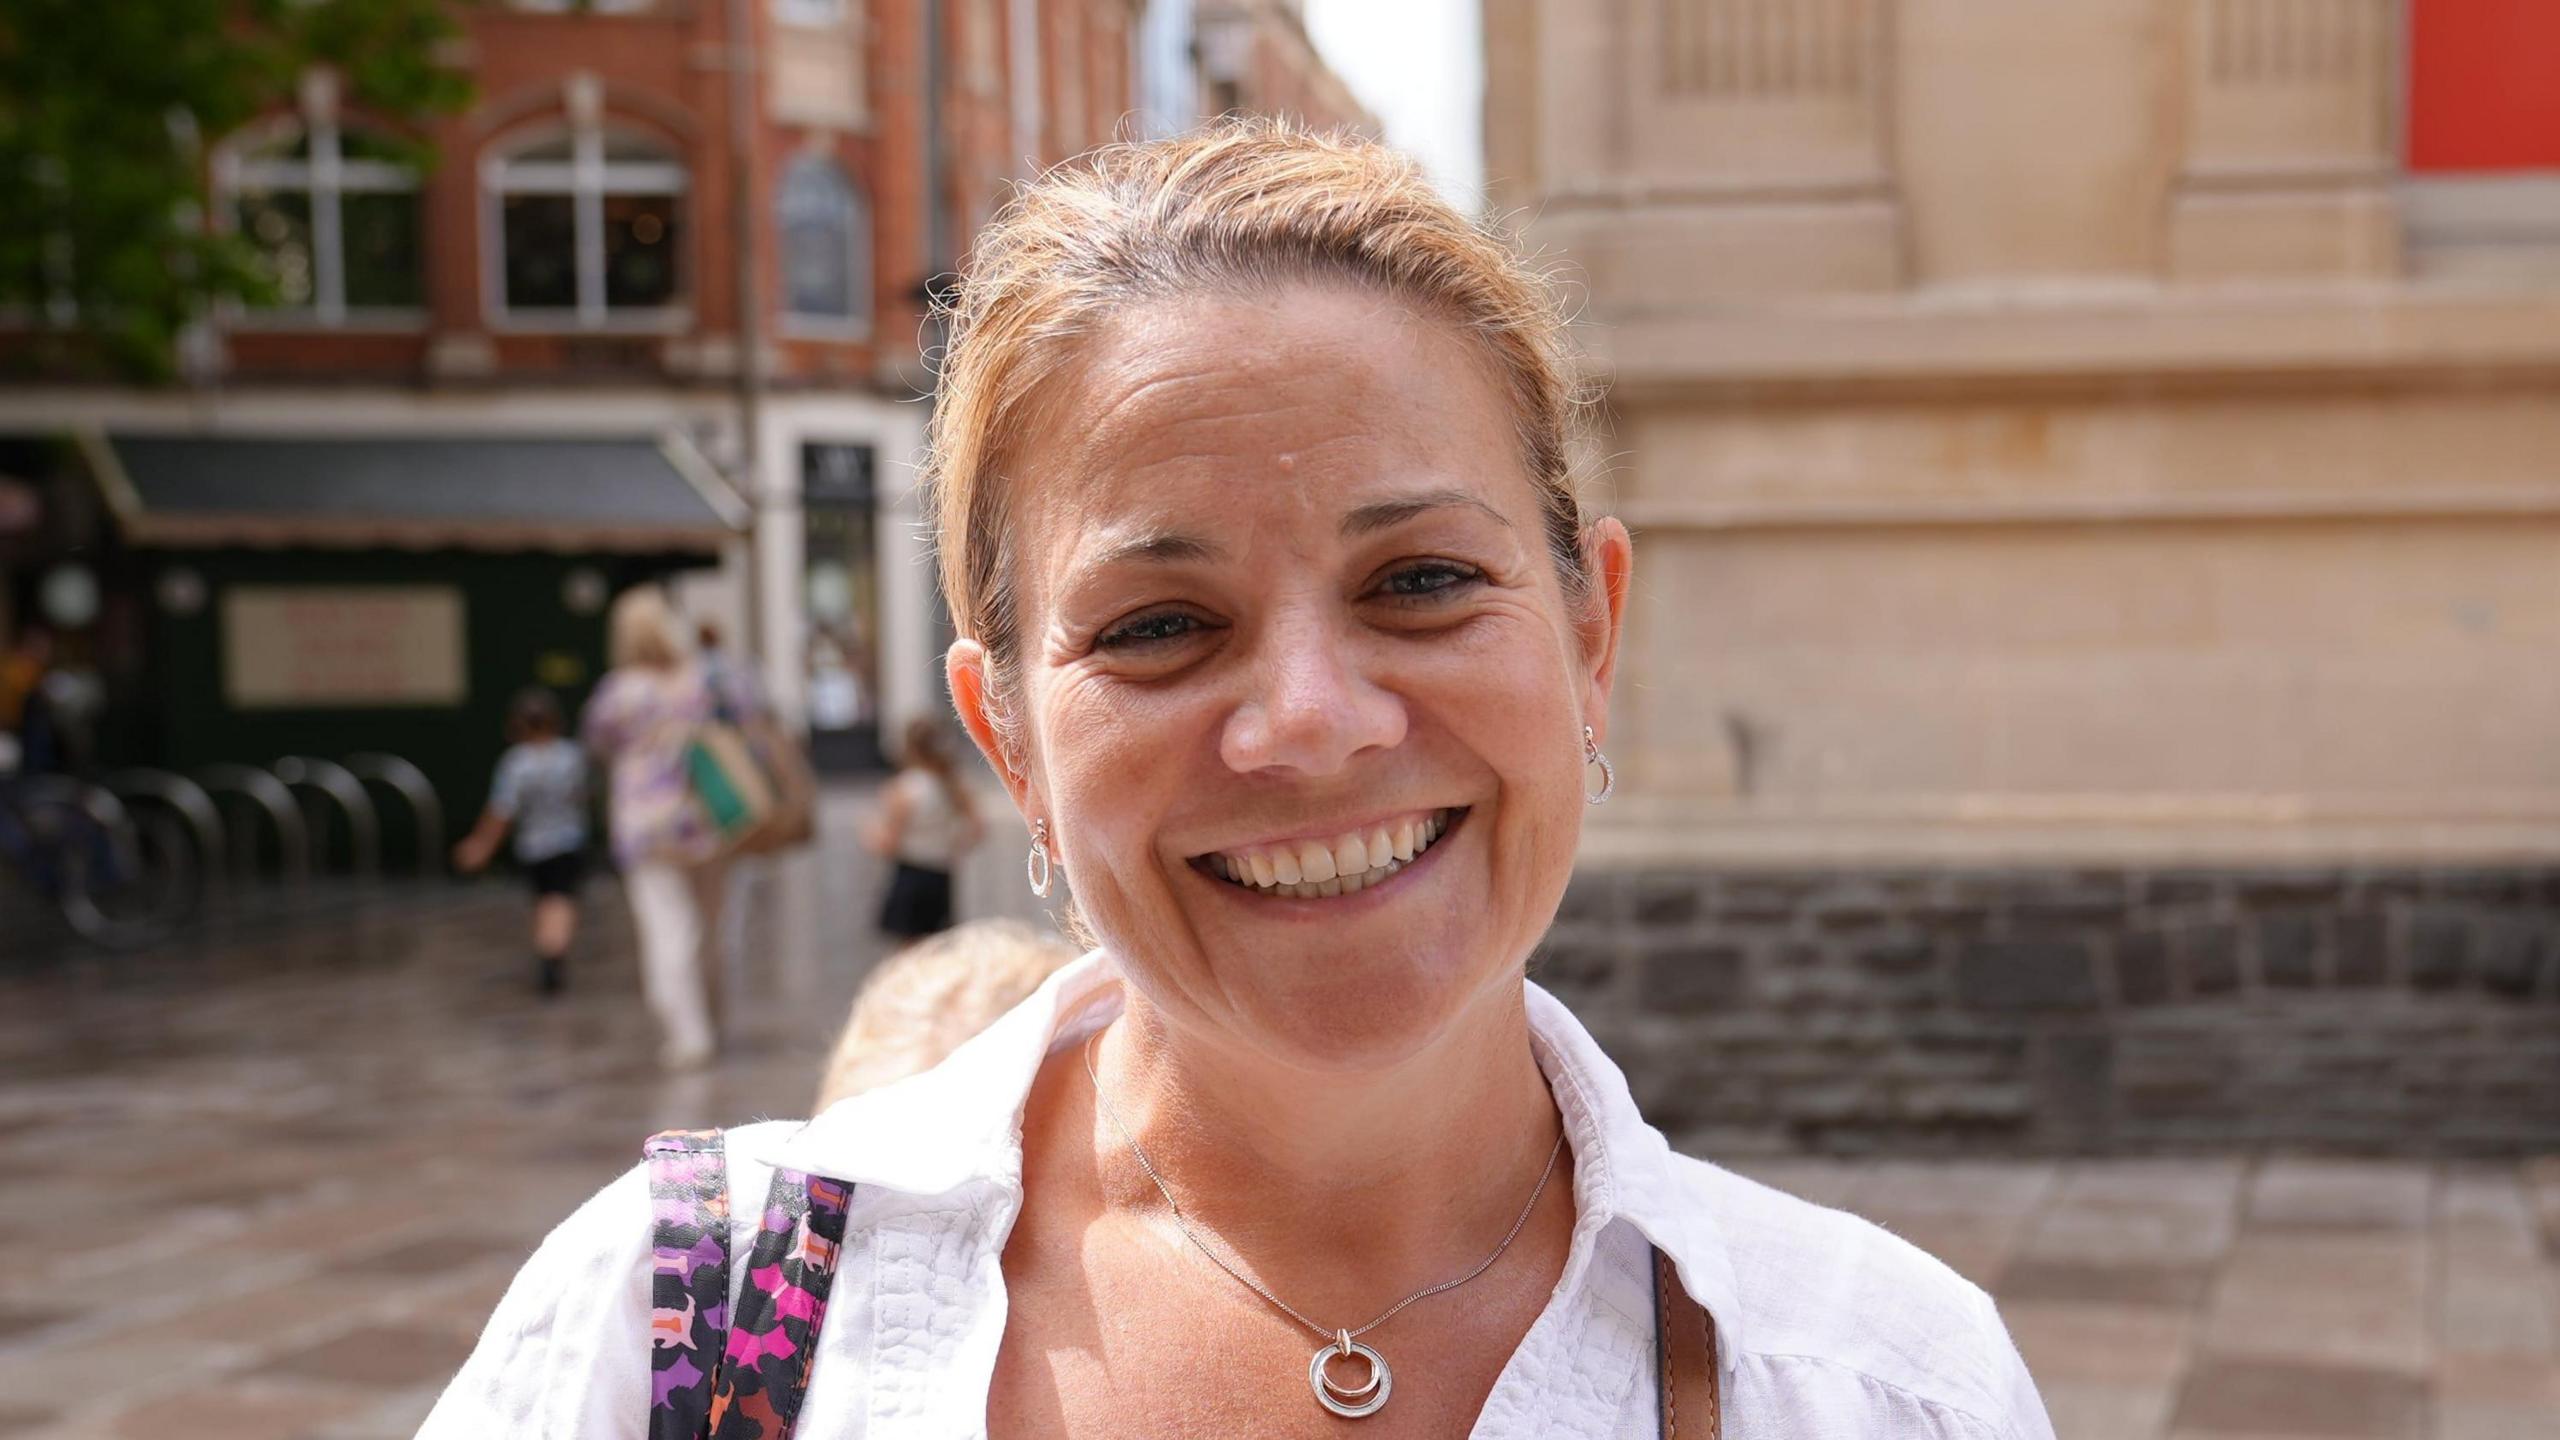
(327, 177)
(814, 14)
(857, 218)
(587, 177)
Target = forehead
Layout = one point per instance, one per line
(1312, 397)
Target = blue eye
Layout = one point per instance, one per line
(1148, 630)
(1421, 582)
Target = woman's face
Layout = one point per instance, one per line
(1302, 691)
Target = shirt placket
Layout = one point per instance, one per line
(937, 1291)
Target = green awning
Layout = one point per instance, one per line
(627, 494)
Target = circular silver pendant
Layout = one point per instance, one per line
(1349, 1403)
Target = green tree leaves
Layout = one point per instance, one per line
(107, 110)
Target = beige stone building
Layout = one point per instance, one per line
(2115, 432)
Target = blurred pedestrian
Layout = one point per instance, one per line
(25, 713)
(721, 668)
(540, 792)
(925, 823)
(922, 1002)
(641, 723)
(791, 821)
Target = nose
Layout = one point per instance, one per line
(1312, 706)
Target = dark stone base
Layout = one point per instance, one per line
(2086, 1011)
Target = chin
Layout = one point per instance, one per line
(1358, 1008)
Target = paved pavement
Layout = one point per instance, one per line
(267, 1184)
(2223, 1298)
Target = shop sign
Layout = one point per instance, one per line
(322, 647)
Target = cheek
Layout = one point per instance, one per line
(1508, 685)
(1513, 703)
(1115, 756)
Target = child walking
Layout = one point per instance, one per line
(926, 823)
(540, 791)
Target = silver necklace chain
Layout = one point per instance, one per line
(1256, 1286)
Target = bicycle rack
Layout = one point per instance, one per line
(268, 794)
(328, 777)
(188, 799)
(110, 816)
(99, 805)
(426, 812)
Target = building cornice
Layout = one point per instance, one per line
(2317, 335)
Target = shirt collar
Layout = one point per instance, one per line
(960, 1123)
(1635, 1176)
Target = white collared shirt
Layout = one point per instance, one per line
(1828, 1325)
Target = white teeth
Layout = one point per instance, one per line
(1350, 855)
(1345, 865)
(1315, 862)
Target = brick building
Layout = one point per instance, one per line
(2097, 477)
(1256, 59)
(642, 193)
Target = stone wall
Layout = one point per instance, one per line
(2403, 1011)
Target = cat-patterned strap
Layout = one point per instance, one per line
(1685, 1339)
(718, 1376)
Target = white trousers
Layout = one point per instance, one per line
(676, 909)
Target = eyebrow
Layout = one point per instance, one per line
(1386, 514)
(1156, 548)
(1166, 547)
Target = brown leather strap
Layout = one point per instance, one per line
(1685, 1339)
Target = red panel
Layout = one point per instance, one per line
(2484, 85)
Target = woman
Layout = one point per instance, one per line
(640, 721)
(1284, 628)
(926, 823)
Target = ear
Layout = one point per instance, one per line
(1610, 557)
(965, 667)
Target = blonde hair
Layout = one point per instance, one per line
(1245, 205)
(642, 631)
(922, 1002)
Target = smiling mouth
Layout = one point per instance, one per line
(1346, 864)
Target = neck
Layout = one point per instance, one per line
(1345, 1180)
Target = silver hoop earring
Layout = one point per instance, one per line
(1036, 866)
(1591, 756)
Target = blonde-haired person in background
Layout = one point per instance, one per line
(921, 1003)
(638, 723)
(1283, 624)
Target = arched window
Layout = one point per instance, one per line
(333, 215)
(589, 225)
(826, 244)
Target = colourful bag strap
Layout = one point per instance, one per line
(689, 1286)
(717, 1376)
